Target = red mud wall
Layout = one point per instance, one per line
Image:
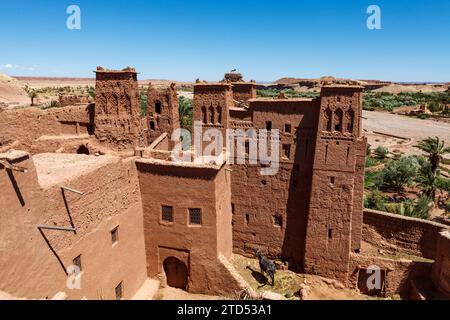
(441, 267)
(259, 200)
(33, 265)
(409, 235)
(331, 213)
(27, 125)
(197, 246)
(399, 272)
(117, 107)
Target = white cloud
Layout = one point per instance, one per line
(8, 66)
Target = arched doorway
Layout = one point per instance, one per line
(83, 150)
(176, 273)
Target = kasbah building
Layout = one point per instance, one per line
(94, 186)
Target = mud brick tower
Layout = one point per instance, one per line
(162, 111)
(117, 106)
(212, 102)
(334, 218)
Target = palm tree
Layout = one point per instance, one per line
(428, 182)
(185, 111)
(32, 94)
(434, 149)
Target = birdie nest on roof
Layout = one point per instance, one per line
(233, 77)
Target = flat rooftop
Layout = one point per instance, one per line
(57, 168)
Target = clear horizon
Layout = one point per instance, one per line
(264, 40)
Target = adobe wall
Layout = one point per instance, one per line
(331, 211)
(399, 233)
(244, 91)
(258, 199)
(33, 266)
(117, 108)
(162, 111)
(27, 125)
(211, 104)
(441, 267)
(71, 99)
(198, 247)
(399, 274)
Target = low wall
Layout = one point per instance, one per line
(394, 232)
(399, 273)
(441, 267)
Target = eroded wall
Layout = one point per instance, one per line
(33, 264)
(403, 234)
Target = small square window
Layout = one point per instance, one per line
(278, 220)
(287, 128)
(268, 125)
(332, 180)
(115, 235)
(77, 262)
(152, 125)
(195, 216)
(119, 290)
(167, 213)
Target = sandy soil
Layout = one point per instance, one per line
(55, 168)
(12, 91)
(413, 129)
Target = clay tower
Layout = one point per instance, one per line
(335, 212)
(117, 106)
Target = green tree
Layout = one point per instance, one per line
(435, 149)
(398, 173)
(32, 94)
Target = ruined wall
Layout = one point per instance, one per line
(197, 246)
(244, 91)
(270, 211)
(399, 273)
(71, 99)
(162, 111)
(32, 126)
(33, 263)
(404, 234)
(441, 267)
(330, 217)
(117, 108)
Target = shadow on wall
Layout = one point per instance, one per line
(16, 187)
(299, 193)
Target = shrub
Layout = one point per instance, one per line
(372, 180)
(423, 116)
(447, 207)
(381, 152)
(374, 200)
(398, 173)
(371, 162)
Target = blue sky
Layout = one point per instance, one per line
(265, 40)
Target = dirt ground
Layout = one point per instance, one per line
(55, 168)
(413, 129)
(288, 283)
